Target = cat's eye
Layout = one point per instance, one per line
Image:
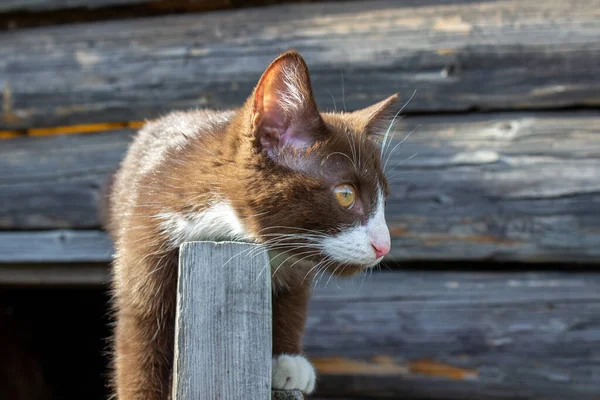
(345, 195)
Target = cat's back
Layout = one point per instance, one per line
(156, 142)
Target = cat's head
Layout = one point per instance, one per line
(326, 190)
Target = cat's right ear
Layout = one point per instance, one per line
(284, 112)
(376, 119)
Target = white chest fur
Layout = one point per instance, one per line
(218, 222)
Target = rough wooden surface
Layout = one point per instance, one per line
(46, 5)
(51, 274)
(56, 182)
(464, 335)
(19, 14)
(514, 186)
(223, 323)
(488, 55)
(163, 5)
(286, 395)
(458, 335)
(56, 246)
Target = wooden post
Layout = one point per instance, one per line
(223, 323)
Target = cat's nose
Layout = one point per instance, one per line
(381, 249)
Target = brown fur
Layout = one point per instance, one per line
(185, 161)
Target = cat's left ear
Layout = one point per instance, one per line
(376, 119)
(284, 111)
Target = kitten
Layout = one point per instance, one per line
(276, 171)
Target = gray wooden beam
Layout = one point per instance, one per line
(58, 246)
(54, 5)
(223, 323)
(457, 335)
(52, 274)
(475, 334)
(507, 186)
(160, 6)
(458, 56)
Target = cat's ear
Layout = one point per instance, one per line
(284, 111)
(377, 118)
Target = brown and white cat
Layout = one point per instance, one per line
(275, 171)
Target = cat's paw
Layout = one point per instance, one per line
(293, 372)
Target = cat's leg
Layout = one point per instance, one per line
(291, 370)
(145, 295)
(143, 358)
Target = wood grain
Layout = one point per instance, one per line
(56, 182)
(36, 6)
(56, 246)
(462, 335)
(464, 56)
(54, 274)
(509, 186)
(457, 335)
(19, 14)
(223, 323)
(46, 5)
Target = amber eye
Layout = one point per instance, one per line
(345, 195)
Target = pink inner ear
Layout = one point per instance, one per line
(293, 137)
(273, 115)
(279, 128)
(274, 137)
(288, 114)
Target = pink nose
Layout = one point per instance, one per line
(381, 249)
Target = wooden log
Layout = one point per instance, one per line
(56, 182)
(464, 56)
(223, 323)
(18, 14)
(457, 335)
(50, 274)
(470, 335)
(36, 6)
(48, 5)
(514, 187)
(57, 246)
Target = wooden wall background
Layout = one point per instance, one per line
(502, 165)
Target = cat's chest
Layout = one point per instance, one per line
(216, 222)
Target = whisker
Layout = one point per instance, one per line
(364, 274)
(352, 146)
(323, 271)
(393, 120)
(293, 255)
(332, 98)
(317, 265)
(389, 155)
(334, 271)
(345, 155)
(403, 161)
(290, 227)
(343, 91)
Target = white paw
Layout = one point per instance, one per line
(293, 372)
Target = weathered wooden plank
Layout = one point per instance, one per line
(497, 186)
(56, 182)
(45, 274)
(286, 395)
(458, 335)
(47, 5)
(18, 14)
(468, 335)
(59, 246)
(34, 6)
(492, 188)
(223, 323)
(491, 55)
